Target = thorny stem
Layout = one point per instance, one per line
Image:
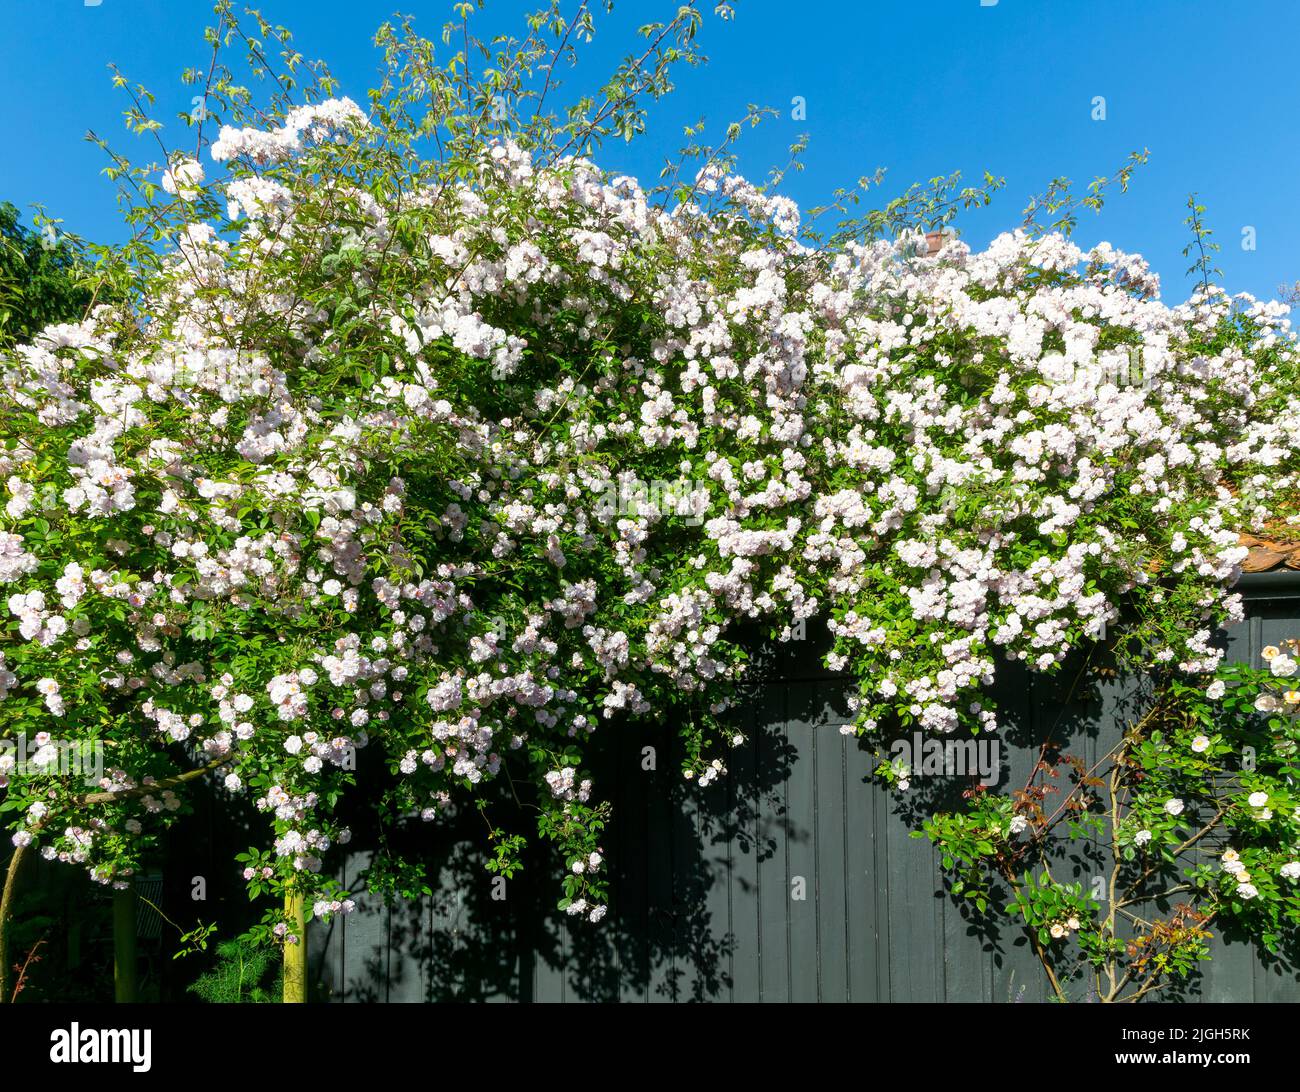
(546, 86)
(145, 790)
(610, 106)
(21, 980)
(6, 911)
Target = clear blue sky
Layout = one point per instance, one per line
(921, 87)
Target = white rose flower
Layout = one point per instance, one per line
(1282, 666)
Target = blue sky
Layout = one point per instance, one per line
(920, 87)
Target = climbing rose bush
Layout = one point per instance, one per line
(1120, 868)
(477, 458)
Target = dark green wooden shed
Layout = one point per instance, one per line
(705, 899)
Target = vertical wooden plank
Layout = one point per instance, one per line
(410, 953)
(593, 965)
(884, 963)
(713, 966)
(832, 860)
(745, 848)
(502, 947)
(966, 976)
(773, 871)
(1278, 619)
(365, 953)
(1229, 974)
(1016, 974)
(804, 810)
(551, 956)
(915, 914)
(688, 928)
(500, 956)
(1121, 702)
(630, 896)
(962, 938)
(862, 922)
(663, 804)
(324, 953)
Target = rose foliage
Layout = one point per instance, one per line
(415, 430)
